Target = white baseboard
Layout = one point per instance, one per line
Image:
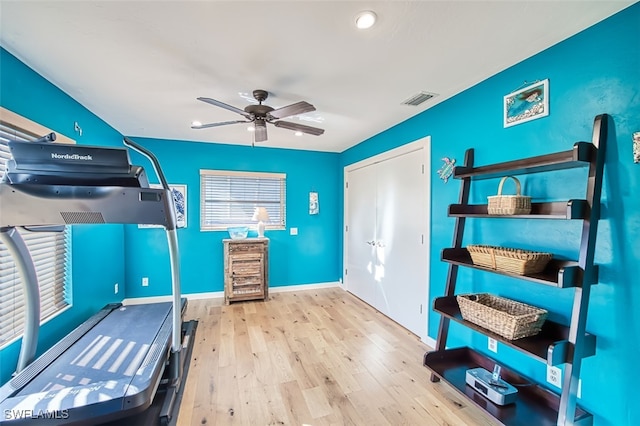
(220, 294)
(300, 287)
(429, 342)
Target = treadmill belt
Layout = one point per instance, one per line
(110, 352)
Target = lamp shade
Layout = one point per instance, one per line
(261, 214)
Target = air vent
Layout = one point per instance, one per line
(419, 98)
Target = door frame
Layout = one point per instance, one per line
(424, 144)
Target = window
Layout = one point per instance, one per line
(230, 198)
(49, 250)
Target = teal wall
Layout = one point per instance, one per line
(593, 72)
(97, 256)
(596, 71)
(309, 257)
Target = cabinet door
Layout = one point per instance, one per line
(361, 261)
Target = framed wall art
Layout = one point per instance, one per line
(527, 103)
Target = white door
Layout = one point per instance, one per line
(401, 249)
(361, 233)
(386, 243)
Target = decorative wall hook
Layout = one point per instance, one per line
(77, 128)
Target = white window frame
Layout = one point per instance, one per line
(54, 273)
(219, 182)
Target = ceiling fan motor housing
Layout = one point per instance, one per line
(258, 110)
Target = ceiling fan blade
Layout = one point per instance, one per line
(260, 133)
(293, 109)
(225, 106)
(222, 123)
(299, 127)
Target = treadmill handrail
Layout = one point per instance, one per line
(29, 282)
(151, 157)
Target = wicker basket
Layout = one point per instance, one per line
(515, 261)
(507, 318)
(509, 204)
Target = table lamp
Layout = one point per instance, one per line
(261, 215)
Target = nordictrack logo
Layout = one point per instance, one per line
(57, 156)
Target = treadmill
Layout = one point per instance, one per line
(111, 366)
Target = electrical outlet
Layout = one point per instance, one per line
(554, 376)
(293, 231)
(145, 281)
(115, 288)
(493, 345)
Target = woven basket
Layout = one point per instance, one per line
(507, 318)
(509, 204)
(515, 261)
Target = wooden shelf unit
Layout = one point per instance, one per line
(246, 265)
(535, 405)
(556, 343)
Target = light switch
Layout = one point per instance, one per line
(293, 231)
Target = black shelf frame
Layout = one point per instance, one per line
(556, 344)
(549, 346)
(582, 154)
(571, 209)
(557, 273)
(534, 405)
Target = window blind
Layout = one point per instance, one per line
(50, 254)
(229, 198)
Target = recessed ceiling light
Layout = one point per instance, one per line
(298, 133)
(196, 123)
(365, 19)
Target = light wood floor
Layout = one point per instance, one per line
(313, 357)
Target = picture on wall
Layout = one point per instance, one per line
(179, 200)
(527, 103)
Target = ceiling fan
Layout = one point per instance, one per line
(261, 114)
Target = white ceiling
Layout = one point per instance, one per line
(139, 65)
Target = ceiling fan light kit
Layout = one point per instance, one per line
(261, 114)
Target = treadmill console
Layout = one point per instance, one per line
(64, 164)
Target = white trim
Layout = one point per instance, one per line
(220, 294)
(429, 341)
(160, 299)
(422, 143)
(210, 172)
(300, 287)
(29, 126)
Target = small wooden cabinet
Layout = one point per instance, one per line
(246, 265)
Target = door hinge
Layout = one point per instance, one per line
(422, 238)
(421, 308)
(423, 169)
(346, 228)
(345, 272)
(346, 185)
